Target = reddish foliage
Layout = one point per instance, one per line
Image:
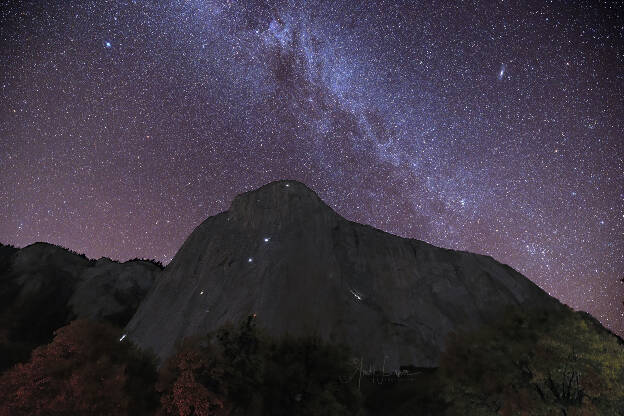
(191, 383)
(80, 372)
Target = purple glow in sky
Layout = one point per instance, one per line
(496, 129)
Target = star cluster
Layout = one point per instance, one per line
(496, 128)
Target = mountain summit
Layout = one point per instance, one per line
(282, 254)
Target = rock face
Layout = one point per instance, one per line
(43, 287)
(112, 291)
(281, 253)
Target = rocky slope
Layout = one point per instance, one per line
(43, 287)
(279, 252)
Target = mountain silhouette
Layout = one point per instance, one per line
(282, 255)
(43, 287)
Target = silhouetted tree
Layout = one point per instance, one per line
(537, 363)
(192, 381)
(84, 370)
(303, 376)
(214, 374)
(241, 370)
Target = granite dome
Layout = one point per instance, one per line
(280, 252)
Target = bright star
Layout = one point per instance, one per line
(108, 44)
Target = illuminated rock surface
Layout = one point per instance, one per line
(281, 253)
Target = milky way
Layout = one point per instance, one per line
(496, 128)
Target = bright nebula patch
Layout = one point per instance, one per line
(501, 72)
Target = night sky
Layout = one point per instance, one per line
(495, 127)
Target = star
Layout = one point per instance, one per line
(386, 113)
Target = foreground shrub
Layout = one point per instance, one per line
(84, 370)
(538, 363)
(304, 376)
(241, 371)
(192, 381)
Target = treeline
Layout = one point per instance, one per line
(537, 363)
(238, 370)
(526, 363)
(156, 263)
